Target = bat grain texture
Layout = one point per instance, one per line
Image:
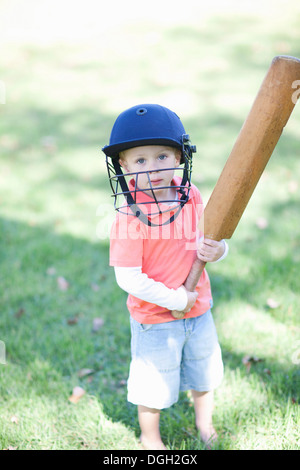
(252, 150)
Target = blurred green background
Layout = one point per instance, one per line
(67, 69)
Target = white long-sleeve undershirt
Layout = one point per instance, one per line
(133, 281)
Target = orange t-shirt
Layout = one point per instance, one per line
(165, 253)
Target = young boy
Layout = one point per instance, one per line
(154, 241)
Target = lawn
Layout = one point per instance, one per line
(63, 321)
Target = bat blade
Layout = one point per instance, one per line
(253, 148)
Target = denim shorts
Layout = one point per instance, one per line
(167, 358)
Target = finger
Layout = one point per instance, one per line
(202, 257)
(210, 242)
(206, 251)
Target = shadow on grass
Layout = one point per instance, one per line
(39, 322)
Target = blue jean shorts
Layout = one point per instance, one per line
(167, 358)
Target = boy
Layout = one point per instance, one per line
(154, 241)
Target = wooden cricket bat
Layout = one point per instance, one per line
(254, 146)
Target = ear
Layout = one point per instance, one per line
(177, 158)
(123, 164)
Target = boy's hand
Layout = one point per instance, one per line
(192, 297)
(210, 250)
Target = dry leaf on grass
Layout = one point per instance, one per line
(62, 283)
(51, 271)
(77, 393)
(262, 223)
(249, 360)
(272, 303)
(73, 320)
(97, 324)
(19, 312)
(83, 372)
(48, 142)
(293, 187)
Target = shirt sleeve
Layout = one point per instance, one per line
(133, 281)
(126, 242)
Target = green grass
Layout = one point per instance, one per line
(55, 209)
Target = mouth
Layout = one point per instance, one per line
(156, 182)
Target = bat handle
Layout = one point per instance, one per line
(191, 282)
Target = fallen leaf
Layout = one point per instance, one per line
(51, 271)
(62, 283)
(262, 223)
(49, 143)
(272, 303)
(77, 393)
(97, 323)
(293, 187)
(122, 383)
(72, 320)
(249, 360)
(19, 312)
(95, 287)
(31, 223)
(83, 372)
(9, 142)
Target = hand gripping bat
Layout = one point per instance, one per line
(253, 148)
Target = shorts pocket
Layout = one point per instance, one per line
(146, 326)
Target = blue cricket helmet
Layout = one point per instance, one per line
(148, 124)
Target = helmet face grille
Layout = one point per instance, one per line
(128, 198)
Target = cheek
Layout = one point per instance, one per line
(124, 166)
(141, 179)
(128, 168)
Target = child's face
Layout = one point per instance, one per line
(154, 159)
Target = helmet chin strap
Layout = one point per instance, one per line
(145, 219)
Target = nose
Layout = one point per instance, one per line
(153, 168)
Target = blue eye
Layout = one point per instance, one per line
(162, 157)
(140, 161)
